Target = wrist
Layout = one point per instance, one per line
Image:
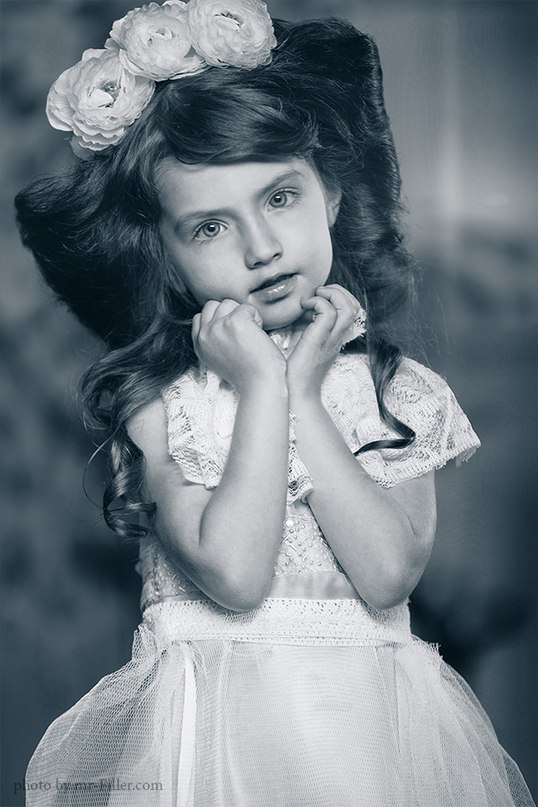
(301, 392)
(269, 382)
(303, 387)
(305, 400)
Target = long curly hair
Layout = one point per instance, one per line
(94, 230)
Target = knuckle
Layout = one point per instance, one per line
(240, 317)
(229, 325)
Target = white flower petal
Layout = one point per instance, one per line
(238, 33)
(97, 99)
(155, 41)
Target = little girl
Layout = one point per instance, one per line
(230, 229)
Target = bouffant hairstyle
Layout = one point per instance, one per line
(94, 230)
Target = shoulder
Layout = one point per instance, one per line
(414, 374)
(147, 428)
(153, 425)
(199, 412)
(425, 400)
(412, 382)
(412, 387)
(418, 390)
(418, 397)
(409, 371)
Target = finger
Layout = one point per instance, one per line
(224, 308)
(341, 298)
(338, 287)
(253, 312)
(348, 307)
(324, 313)
(359, 314)
(195, 330)
(208, 312)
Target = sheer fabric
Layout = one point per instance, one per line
(225, 723)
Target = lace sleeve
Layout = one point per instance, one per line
(193, 429)
(421, 399)
(418, 397)
(200, 410)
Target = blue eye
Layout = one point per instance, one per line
(208, 230)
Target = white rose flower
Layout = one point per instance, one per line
(154, 41)
(238, 33)
(97, 99)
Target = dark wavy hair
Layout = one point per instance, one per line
(94, 230)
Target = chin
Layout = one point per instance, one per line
(283, 319)
(274, 325)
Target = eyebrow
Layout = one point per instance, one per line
(195, 215)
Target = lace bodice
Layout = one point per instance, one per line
(303, 551)
(201, 409)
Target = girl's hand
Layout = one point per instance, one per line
(333, 312)
(228, 338)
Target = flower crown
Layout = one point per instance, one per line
(102, 95)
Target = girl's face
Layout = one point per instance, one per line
(254, 232)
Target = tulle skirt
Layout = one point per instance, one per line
(222, 722)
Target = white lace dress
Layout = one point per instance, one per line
(312, 699)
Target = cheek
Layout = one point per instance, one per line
(207, 279)
(185, 274)
(189, 270)
(194, 268)
(317, 239)
(325, 262)
(323, 251)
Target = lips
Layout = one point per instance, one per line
(275, 288)
(275, 280)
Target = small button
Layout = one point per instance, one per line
(289, 522)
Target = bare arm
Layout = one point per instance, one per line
(382, 538)
(227, 541)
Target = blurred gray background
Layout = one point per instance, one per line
(461, 91)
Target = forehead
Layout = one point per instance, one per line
(211, 184)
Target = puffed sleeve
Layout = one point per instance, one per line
(200, 410)
(197, 427)
(418, 397)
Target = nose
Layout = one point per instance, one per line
(262, 245)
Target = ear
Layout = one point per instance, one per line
(333, 206)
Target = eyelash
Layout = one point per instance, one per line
(201, 227)
(281, 191)
(287, 192)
